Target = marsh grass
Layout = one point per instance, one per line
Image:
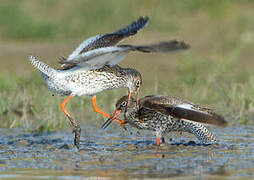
(217, 71)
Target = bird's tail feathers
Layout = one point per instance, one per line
(42, 67)
(201, 132)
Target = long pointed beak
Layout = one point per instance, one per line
(109, 120)
(129, 96)
(136, 95)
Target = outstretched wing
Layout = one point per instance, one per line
(181, 109)
(109, 39)
(112, 55)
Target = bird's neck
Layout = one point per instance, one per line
(131, 113)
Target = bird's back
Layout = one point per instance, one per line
(181, 109)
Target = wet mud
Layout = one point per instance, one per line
(117, 154)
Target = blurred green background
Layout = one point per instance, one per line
(217, 71)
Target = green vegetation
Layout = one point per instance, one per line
(217, 71)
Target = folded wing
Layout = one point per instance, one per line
(182, 109)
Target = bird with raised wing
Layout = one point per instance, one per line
(164, 114)
(92, 68)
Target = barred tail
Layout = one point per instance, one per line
(201, 132)
(42, 67)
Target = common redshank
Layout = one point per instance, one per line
(92, 68)
(164, 114)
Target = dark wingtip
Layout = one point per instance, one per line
(165, 46)
(219, 120)
(184, 45)
(143, 21)
(179, 44)
(134, 27)
(203, 116)
(213, 118)
(139, 24)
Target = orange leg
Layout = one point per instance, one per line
(162, 140)
(76, 128)
(98, 110)
(73, 122)
(158, 141)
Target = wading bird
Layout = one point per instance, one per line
(164, 114)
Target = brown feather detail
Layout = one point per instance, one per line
(62, 60)
(196, 116)
(104, 41)
(66, 67)
(145, 114)
(168, 105)
(165, 100)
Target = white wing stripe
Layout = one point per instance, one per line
(190, 107)
(98, 52)
(185, 106)
(97, 58)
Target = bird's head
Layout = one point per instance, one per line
(122, 105)
(134, 83)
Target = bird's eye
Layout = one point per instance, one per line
(138, 83)
(124, 103)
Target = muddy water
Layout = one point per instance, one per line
(119, 154)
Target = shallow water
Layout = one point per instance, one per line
(118, 154)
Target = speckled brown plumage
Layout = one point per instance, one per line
(164, 114)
